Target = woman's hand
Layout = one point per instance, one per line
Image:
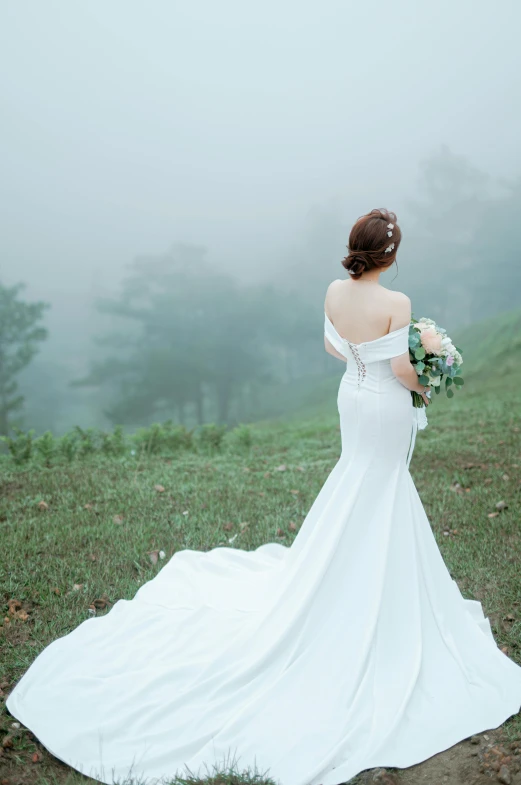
(423, 392)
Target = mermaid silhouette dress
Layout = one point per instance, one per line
(352, 648)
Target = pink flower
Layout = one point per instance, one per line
(449, 360)
(431, 341)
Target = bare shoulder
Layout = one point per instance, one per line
(400, 310)
(399, 298)
(333, 288)
(334, 285)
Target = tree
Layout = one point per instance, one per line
(496, 273)
(462, 255)
(440, 253)
(20, 333)
(181, 345)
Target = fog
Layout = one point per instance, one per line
(250, 129)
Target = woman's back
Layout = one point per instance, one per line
(364, 310)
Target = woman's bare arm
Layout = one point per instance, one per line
(331, 350)
(406, 375)
(327, 344)
(401, 365)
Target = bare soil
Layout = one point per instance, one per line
(481, 760)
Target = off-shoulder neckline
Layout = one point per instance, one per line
(365, 343)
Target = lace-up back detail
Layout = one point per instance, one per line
(361, 369)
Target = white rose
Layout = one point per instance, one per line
(435, 381)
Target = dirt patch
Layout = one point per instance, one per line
(32, 767)
(480, 760)
(476, 761)
(16, 622)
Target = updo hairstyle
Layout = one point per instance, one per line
(370, 236)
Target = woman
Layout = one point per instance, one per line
(352, 648)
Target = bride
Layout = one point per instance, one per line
(350, 649)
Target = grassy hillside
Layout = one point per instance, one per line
(82, 531)
(493, 346)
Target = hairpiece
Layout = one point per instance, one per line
(389, 248)
(351, 272)
(390, 226)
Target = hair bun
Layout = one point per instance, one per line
(356, 263)
(373, 243)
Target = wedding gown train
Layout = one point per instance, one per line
(350, 649)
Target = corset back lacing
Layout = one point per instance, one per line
(360, 366)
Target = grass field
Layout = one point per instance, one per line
(101, 517)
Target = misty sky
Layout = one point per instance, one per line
(127, 126)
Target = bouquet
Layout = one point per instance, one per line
(434, 358)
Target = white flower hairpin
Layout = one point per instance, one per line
(390, 226)
(389, 248)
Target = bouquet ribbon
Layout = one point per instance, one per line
(419, 422)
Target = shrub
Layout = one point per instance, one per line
(88, 440)
(159, 437)
(113, 443)
(21, 446)
(240, 437)
(47, 447)
(210, 436)
(164, 438)
(68, 445)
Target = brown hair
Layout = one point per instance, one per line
(368, 240)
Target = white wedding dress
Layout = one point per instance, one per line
(352, 648)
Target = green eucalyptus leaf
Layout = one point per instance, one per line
(423, 379)
(450, 393)
(419, 353)
(448, 382)
(437, 390)
(459, 381)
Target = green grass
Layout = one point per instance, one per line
(473, 440)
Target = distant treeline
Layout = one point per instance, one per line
(182, 340)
